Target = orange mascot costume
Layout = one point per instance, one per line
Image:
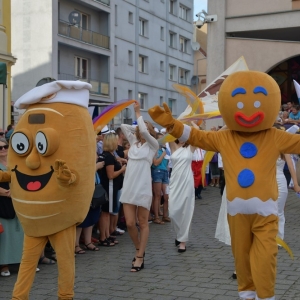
(51, 167)
(249, 102)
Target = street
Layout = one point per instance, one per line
(202, 272)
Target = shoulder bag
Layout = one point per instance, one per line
(100, 196)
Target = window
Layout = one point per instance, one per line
(142, 99)
(171, 104)
(183, 76)
(183, 44)
(116, 55)
(115, 94)
(116, 15)
(162, 68)
(81, 67)
(143, 27)
(183, 12)
(172, 70)
(84, 21)
(130, 17)
(172, 37)
(172, 4)
(161, 100)
(130, 58)
(58, 61)
(162, 33)
(142, 64)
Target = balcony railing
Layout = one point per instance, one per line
(98, 87)
(106, 2)
(84, 35)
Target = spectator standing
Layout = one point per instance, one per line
(160, 182)
(11, 240)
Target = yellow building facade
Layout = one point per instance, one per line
(7, 58)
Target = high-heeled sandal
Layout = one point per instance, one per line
(135, 258)
(138, 268)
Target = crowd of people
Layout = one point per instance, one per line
(146, 181)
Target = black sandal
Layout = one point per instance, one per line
(134, 259)
(91, 249)
(113, 240)
(106, 243)
(137, 269)
(80, 251)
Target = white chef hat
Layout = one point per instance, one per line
(65, 91)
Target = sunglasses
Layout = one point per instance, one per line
(5, 147)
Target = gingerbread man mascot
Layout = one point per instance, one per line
(249, 102)
(51, 169)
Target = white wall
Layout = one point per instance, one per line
(31, 43)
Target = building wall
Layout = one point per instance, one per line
(39, 51)
(242, 15)
(245, 7)
(7, 58)
(260, 55)
(154, 82)
(32, 43)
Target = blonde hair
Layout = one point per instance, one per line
(110, 142)
(150, 128)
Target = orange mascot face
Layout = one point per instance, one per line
(249, 101)
(52, 164)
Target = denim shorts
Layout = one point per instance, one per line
(160, 176)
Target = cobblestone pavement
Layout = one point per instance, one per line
(202, 272)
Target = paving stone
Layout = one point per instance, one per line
(202, 272)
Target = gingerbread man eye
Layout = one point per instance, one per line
(240, 105)
(257, 104)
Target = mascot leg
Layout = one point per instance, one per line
(241, 240)
(263, 255)
(63, 243)
(32, 249)
(254, 249)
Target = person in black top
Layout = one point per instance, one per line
(111, 177)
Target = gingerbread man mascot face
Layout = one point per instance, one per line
(248, 105)
(52, 158)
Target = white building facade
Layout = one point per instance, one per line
(126, 49)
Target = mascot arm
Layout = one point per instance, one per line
(287, 142)
(64, 175)
(206, 140)
(163, 117)
(5, 176)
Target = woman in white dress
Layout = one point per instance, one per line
(137, 187)
(182, 193)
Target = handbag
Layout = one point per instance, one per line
(7, 210)
(100, 196)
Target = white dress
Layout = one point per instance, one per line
(137, 185)
(282, 195)
(222, 229)
(182, 194)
